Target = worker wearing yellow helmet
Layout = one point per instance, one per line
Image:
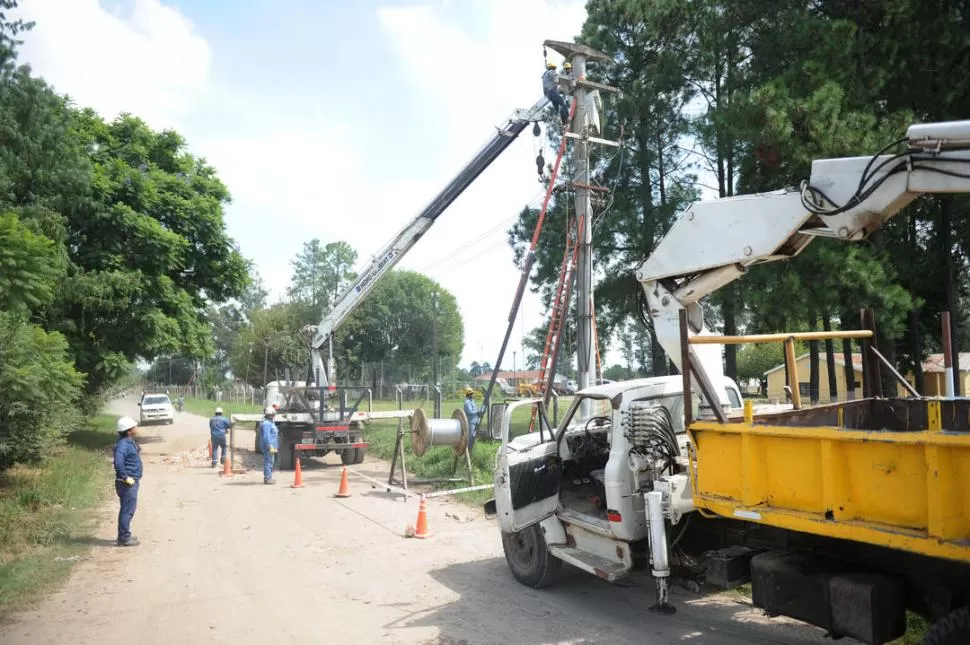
(567, 68)
(550, 88)
(471, 411)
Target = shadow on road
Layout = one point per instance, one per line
(615, 614)
(88, 540)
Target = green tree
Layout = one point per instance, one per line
(397, 323)
(39, 388)
(148, 250)
(320, 273)
(273, 343)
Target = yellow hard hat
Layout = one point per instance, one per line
(468, 391)
(567, 65)
(550, 65)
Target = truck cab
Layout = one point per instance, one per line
(576, 492)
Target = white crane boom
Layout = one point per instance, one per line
(400, 244)
(714, 242)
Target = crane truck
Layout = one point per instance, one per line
(844, 516)
(316, 417)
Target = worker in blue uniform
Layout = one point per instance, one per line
(550, 88)
(471, 412)
(128, 472)
(218, 427)
(270, 436)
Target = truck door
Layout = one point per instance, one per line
(528, 471)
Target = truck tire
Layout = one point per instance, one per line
(257, 444)
(952, 629)
(529, 558)
(352, 456)
(286, 457)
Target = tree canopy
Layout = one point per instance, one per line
(726, 98)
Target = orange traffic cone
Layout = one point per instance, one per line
(297, 476)
(421, 530)
(344, 490)
(227, 468)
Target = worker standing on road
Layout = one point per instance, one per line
(471, 411)
(128, 471)
(550, 88)
(218, 427)
(269, 434)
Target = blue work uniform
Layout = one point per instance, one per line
(127, 464)
(550, 89)
(270, 436)
(471, 411)
(218, 427)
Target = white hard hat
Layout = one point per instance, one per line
(218, 410)
(269, 410)
(125, 424)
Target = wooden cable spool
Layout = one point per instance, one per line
(427, 432)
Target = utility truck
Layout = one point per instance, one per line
(844, 516)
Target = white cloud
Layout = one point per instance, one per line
(148, 61)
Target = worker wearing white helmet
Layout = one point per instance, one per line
(128, 472)
(218, 427)
(269, 434)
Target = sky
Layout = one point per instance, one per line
(333, 119)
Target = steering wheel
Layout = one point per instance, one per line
(602, 421)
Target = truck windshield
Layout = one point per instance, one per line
(579, 414)
(156, 400)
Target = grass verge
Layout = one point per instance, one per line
(46, 514)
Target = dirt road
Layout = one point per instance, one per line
(234, 561)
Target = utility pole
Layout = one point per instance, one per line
(578, 87)
(434, 338)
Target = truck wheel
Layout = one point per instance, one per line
(256, 446)
(287, 457)
(952, 629)
(529, 559)
(359, 456)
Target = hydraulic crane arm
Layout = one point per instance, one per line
(401, 243)
(714, 243)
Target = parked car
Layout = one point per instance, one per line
(571, 386)
(156, 408)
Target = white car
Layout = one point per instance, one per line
(156, 408)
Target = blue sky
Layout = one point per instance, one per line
(332, 119)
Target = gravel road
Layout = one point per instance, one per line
(229, 560)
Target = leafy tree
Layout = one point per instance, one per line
(320, 273)
(148, 250)
(398, 323)
(29, 266)
(475, 369)
(38, 390)
(271, 344)
(172, 370)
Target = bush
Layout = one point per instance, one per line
(39, 388)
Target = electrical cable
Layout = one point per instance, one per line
(813, 199)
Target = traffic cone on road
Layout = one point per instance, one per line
(344, 490)
(297, 476)
(227, 467)
(421, 529)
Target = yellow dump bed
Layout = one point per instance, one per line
(894, 473)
